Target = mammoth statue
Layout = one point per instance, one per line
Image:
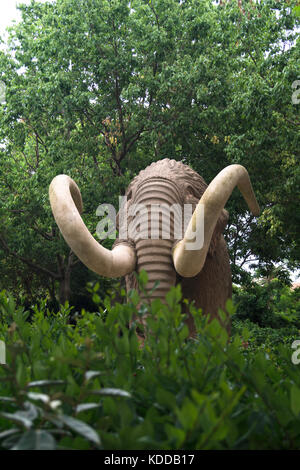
(202, 268)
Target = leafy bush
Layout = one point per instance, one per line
(273, 305)
(92, 386)
(265, 339)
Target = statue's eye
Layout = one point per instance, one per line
(191, 192)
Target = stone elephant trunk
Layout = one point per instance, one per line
(156, 246)
(155, 236)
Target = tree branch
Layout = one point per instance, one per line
(29, 263)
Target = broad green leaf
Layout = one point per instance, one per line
(86, 407)
(17, 418)
(30, 411)
(36, 439)
(295, 399)
(143, 277)
(230, 307)
(113, 392)
(46, 383)
(9, 432)
(81, 428)
(8, 399)
(90, 374)
(296, 10)
(39, 396)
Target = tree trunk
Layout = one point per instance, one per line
(65, 288)
(65, 277)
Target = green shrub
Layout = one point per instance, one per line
(272, 305)
(265, 339)
(92, 386)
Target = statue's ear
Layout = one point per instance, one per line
(219, 229)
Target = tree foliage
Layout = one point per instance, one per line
(98, 89)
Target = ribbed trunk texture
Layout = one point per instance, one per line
(154, 254)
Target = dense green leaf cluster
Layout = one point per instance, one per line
(273, 305)
(90, 385)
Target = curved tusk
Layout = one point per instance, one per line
(66, 204)
(188, 261)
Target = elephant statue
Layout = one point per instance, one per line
(200, 264)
